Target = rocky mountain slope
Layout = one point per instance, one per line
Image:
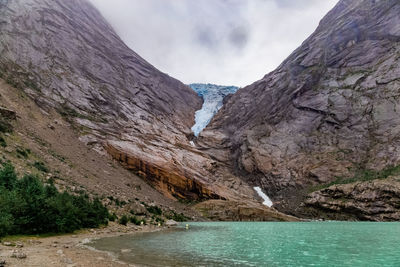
(46, 144)
(66, 58)
(330, 110)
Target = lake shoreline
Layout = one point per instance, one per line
(317, 243)
(70, 250)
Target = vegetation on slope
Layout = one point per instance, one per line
(362, 175)
(28, 206)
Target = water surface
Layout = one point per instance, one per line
(263, 244)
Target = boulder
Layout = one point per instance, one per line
(18, 254)
(171, 223)
(8, 114)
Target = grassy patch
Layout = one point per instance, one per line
(21, 152)
(40, 166)
(363, 175)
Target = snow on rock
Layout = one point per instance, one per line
(267, 202)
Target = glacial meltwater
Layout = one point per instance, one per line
(262, 244)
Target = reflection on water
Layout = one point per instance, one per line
(263, 244)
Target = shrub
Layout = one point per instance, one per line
(23, 152)
(160, 220)
(123, 220)
(27, 206)
(5, 126)
(3, 142)
(40, 166)
(134, 220)
(177, 217)
(154, 209)
(112, 217)
(120, 203)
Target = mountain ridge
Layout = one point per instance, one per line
(328, 110)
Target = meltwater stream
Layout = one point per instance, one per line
(213, 96)
(318, 244)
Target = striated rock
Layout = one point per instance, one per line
(330, 108)
(221, 210)
(377, 200)
(166, 179)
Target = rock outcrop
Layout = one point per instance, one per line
(331, 108)
(377, 200)
(221, 210)
(164, 177)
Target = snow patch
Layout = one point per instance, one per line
(267, 201)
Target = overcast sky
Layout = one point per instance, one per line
(227, 42)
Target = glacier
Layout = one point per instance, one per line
(213, 96)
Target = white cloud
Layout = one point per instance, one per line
(230, 42)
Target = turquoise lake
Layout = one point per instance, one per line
(262, 244)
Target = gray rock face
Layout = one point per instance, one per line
(332, 107)
(377, 200)
(65, 54)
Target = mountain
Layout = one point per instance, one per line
(213, 98)
(64, 55)
(329, 114)
(76, 86)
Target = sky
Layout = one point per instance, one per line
(226, 42)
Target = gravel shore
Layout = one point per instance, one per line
(65, 250)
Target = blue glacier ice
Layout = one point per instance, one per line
(213, 96)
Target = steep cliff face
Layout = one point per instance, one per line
(64, 53)
(66, 56)
(332, 108)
